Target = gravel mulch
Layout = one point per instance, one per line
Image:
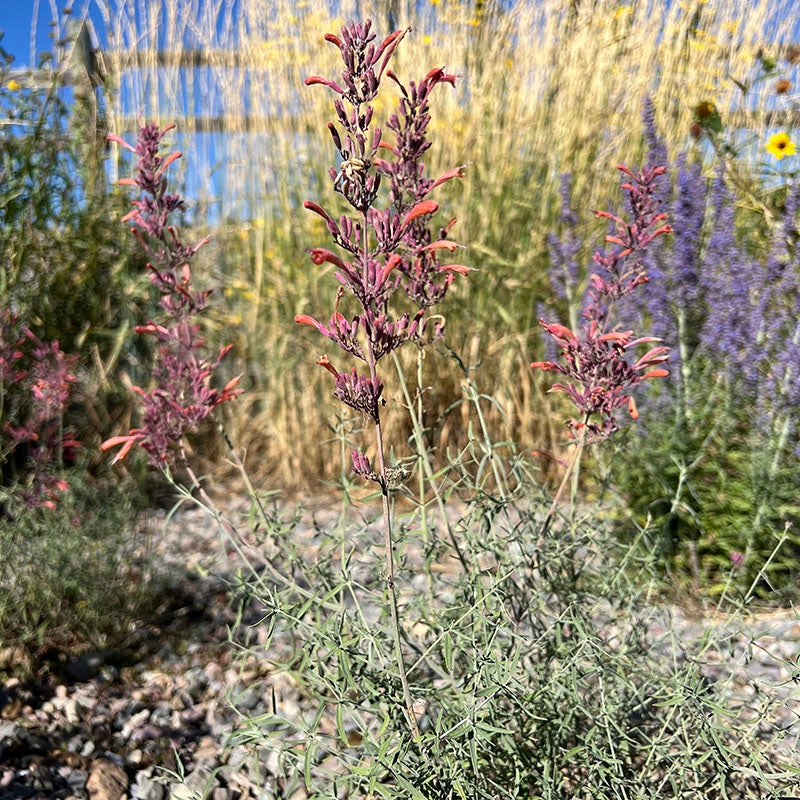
(108, 726)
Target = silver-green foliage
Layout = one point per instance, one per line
(541, 668)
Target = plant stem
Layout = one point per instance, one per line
(572, 465)
(783, 435)
(388, 539)
(475, 398)
(418, 423)
(388, 546)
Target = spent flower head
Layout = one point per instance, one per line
(783, 86)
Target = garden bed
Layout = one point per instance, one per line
(155, 720)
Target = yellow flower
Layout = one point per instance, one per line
(780, 145)
(13, 86)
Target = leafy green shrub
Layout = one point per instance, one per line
(65, 314)
(563, 680)
(71, 575)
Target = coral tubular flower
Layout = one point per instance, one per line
(458, 269)
(447, 176)
(324, 361)
(560, 332)
(127, 443)
(318, 209)
(181, 397)
(443, 244)
(391, 264)
(319, 255)
(419, 210)
(316, 80)
(305, 319)
(112, 137)
(595, 361)
(780, 145)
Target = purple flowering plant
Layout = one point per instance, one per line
(181, 397)
(390, 252)
(717, 459)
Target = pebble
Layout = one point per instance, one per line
(146, 788)
(107, 780)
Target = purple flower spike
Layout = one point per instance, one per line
(601, 374)
(182, 396)
(385, 250)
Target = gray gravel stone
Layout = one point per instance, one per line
(198, 783)
(145, 788)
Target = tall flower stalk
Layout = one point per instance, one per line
(599, 371)
(389, 253)
(181, 396)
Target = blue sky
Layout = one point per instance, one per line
(15, 22)
(16, 17)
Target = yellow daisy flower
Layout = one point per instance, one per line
(13, 86)
(780, 145)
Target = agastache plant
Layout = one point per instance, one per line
(600, 372)
(181, 397)
(387, 250)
